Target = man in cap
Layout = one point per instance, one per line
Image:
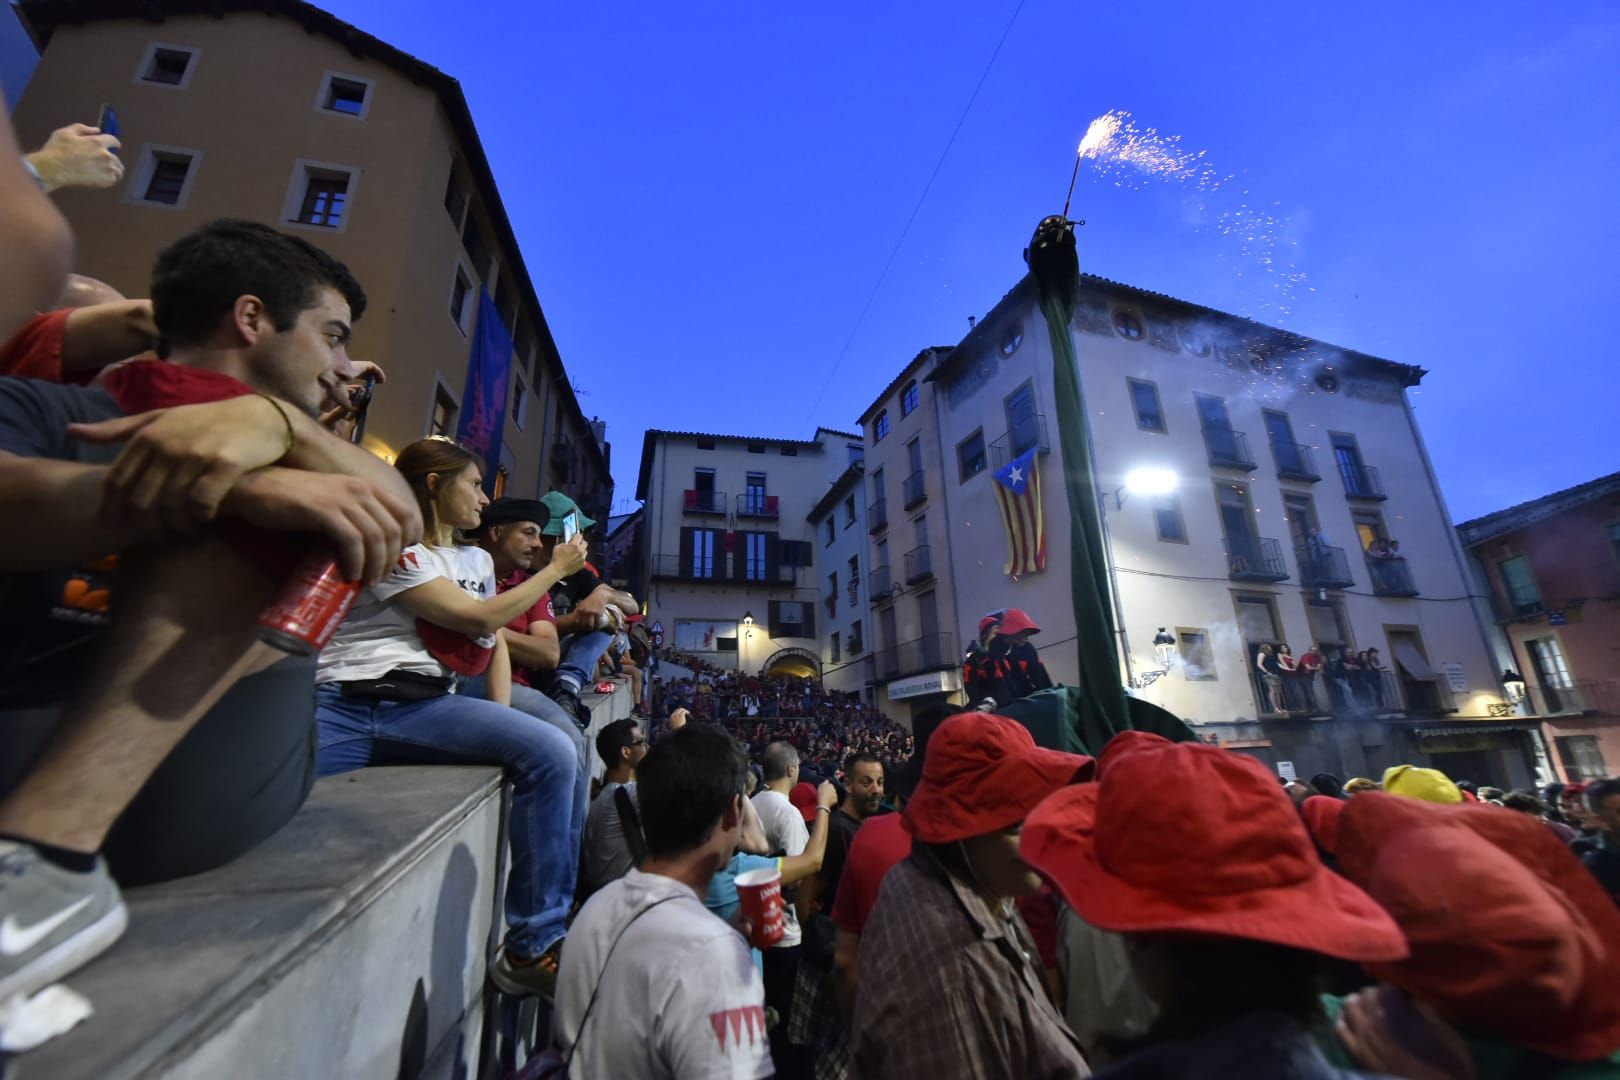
(878, 845)
(963, 992)
(581, 603)
(1603, 859)
(1004, 667)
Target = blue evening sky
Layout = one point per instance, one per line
(706, 194)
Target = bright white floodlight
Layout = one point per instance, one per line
(1149, 481)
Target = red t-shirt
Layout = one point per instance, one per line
(540, 612)
(35, 351)
(879, 844)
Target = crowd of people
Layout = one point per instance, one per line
(1163, 910)
(826, 726)
(771, 879)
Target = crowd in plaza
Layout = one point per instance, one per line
(771, 878)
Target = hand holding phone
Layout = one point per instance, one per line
(570, 526)
(107, 121)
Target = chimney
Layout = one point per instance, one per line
(973, 320)
(599, 430)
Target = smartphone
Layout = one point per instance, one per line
(570, 526)
(108, 122)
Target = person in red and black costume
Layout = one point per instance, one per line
(1004, 666)
(166, 739)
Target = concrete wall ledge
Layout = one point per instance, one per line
(202, 952)
(353, 943)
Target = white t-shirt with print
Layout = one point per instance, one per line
(786, 834)
(680, 996)
(379, 635)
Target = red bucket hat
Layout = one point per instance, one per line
(1321, 814)
(1510, 935)
(1128, 742)
(1193, 839)
(983, 773)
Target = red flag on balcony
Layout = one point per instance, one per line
(1018, 494)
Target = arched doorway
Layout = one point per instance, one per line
(795, 662)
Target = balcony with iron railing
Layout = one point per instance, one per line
(1574, 697)
(1229, 449)
(877, 516)
(704, 502)
(878, 584)
(1255, 558)
(757, 504)
(1426, 697)
(1390, 576)
(1027, 434)
(1509, 607)
(919, 565)
(1322, 566)
(914, 489)
(1361, 482)
(1304, 693)
(931, 652)
(674, 568)
(1294, 461)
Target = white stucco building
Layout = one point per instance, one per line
(726, 536)
(1293, 459)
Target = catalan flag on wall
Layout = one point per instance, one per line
(1018, 493)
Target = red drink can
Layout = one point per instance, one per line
(759, 893)
(310, 607)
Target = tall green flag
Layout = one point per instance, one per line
(1055, 266)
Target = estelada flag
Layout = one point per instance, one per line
(1018, 494)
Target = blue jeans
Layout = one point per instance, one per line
(580, 657)
(528, 699)
(353, 732)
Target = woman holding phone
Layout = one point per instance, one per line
(389, 692)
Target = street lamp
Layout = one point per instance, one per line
(1147, 481)
(1165, 647)
(1513, 683)
(748, 618)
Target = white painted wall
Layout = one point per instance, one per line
(1187, 585)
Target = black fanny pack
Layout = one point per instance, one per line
(401, 685)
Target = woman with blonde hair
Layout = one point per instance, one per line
(391, 691)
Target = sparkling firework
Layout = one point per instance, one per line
(1258, 241)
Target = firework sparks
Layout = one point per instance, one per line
(1133, 158)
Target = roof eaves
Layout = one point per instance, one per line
(1520, 515)
(846, 480)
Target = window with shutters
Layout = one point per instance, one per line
(698, 558)
(880, 426)
(1145, 400)
(834, 654)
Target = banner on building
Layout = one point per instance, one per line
(1018, 494)
(483, 402)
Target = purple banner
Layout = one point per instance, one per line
(483, 402)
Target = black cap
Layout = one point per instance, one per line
(504, 511)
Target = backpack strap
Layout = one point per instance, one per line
(630, 823)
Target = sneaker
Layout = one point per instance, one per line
(535, 977)
(572, 706)
(54, 921)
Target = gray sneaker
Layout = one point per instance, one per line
(530, 978)
(52, 921)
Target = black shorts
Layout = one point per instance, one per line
(234, 780)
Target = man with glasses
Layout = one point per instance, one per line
(612, 844)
